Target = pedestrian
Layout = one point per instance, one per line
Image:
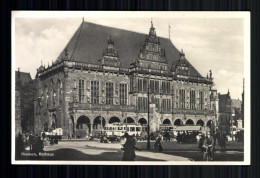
(201, 141)
(38, 145)
(101, 138)
(56, 139)
(167, 136)
(135, 139)
(211, 144)
(31, 140)
(178, 138)
(51, 140)
(222, 143)
(69, 137)
(19, 145)
(128, 148)
(137, 136)
(157, 144)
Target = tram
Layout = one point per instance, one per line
(115, 131)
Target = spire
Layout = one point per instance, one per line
(228, 92)
(152, 30)
(18, 72)
(110, 40)
(82, 19)
(182, 54)
(243, 84)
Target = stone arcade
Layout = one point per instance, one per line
(105, 75)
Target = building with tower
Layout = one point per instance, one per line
(106, 75)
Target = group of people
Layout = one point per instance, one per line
(207, 145)
(129, 146)
(221, 138)
(35, 143)
(239, 136)
(187, 137)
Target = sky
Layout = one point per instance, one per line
(215, 44)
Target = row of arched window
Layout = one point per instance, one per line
(52, 95)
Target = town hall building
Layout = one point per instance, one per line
(107, 75)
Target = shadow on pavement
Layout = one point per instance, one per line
(66, 154)
(220, 156)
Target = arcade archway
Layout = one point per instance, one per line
(99, 123)
(113, 120)
(166, 121)
(210, 124)
(189, 122)
(177, 122)
(200, 122)
(129, 120)
(83, 126)
(142, 121)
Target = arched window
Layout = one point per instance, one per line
(54, 98)
(201, 100)
(51, 97)
(58, 93)
(182, 98)
(192, 99)
(81, 91)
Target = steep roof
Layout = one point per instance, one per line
(236, 103)
(223, 101)
(22, 77)
(90, 40)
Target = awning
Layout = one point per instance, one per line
(188, 128)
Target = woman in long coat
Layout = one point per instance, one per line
(129, 148)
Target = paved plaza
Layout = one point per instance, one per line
(83, 150)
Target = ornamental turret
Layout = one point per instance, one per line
(110, 55)
(182, 67)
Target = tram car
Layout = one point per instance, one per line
(115, 131)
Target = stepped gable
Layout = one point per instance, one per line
(236, 103)
(89, 41)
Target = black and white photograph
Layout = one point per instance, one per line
(131, 88)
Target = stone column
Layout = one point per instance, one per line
(91, 128)
(153, 119)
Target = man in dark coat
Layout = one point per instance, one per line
(129, 148)
(157, 144)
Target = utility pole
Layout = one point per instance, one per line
(101, 120)
(148, 125)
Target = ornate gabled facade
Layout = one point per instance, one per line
(96, 81)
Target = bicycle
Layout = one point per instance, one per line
(207, 156)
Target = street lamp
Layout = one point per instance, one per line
(102, 102)
(233, 116)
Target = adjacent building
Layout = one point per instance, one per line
(106, 75)
(24, 102)
(230, 113)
